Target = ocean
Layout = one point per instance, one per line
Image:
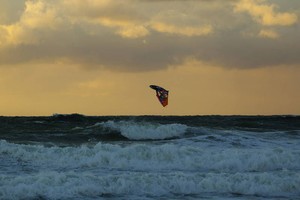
(150, 157)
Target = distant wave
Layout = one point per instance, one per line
(145, 131)
(69, 129)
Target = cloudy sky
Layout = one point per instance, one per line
(98, 57)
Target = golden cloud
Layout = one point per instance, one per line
(268, 34)
(186, 30)
(266, 14)
(38, 15)
(133, 31)
(148, 35)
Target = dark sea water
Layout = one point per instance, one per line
(150, 157)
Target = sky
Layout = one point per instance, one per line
(98, 57)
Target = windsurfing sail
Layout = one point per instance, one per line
(162, 94)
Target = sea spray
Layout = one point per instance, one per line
(146, 131)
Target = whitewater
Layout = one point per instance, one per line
(150, 157)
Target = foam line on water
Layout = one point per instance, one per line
(55, 185)
(143, 157)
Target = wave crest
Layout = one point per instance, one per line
(145, 131)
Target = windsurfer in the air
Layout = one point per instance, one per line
(161, 94)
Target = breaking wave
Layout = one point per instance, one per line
(144, 131)
(141, 169)
(145, 157)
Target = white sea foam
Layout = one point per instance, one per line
(57, 185)
(36, 171)
(144, 157)
(145, 131)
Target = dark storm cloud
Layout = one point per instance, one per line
(110, 51)
(97, 41)
(253, 52)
